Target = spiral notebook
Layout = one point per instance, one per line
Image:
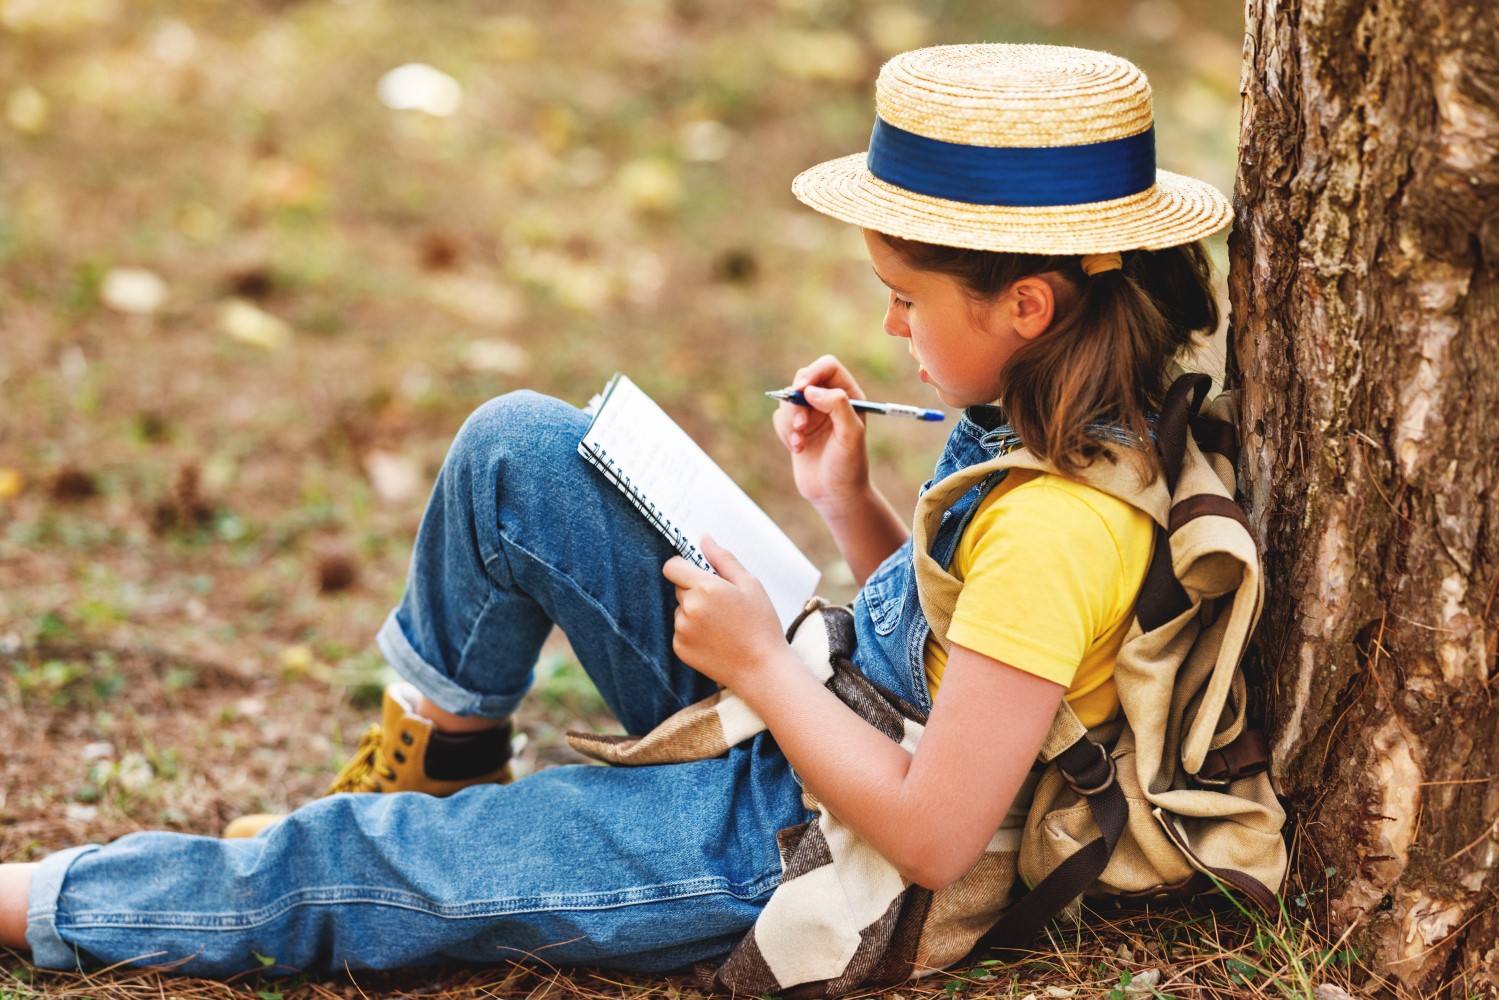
(686, 495)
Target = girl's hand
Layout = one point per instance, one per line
(826, 439)
(726, 626)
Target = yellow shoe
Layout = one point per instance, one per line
(398, 756)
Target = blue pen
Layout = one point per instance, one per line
(865, 406)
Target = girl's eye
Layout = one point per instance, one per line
(899, 302)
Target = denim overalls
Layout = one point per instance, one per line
(645, 868)
(891, 626)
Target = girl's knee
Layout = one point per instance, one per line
(520, 423)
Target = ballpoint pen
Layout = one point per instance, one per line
(865, 406)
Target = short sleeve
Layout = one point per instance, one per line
(1044, 581)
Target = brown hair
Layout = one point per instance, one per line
(1104, 356)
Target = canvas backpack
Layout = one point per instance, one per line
(1170, 797)
(1174, 797)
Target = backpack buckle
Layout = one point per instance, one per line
(1245, 755)
(1109, 767)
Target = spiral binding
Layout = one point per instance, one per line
(598, 457)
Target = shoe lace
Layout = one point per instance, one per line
(364, 768)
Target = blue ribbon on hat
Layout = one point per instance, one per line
(1016, 177)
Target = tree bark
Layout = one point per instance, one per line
(1364, 285)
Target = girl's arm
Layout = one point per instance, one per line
(830, 462)
(931, 814)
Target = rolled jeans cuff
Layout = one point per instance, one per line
(48, 949)
(431, 682)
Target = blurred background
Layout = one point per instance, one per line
(261, 259)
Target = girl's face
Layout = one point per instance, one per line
(960, 344)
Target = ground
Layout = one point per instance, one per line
(247, 305)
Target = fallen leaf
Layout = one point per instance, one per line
(704, 141)
(297, 660)
(512, 38)
(134, 773)
(252, 283)
(1329, 991)
(439, 252)
(11, 483)
(27, 110)
(250, 707)
(827, 55)
(499, 357)
(184, 508)
(175, 43)
(72, 483)
(479, 301)
(578, 284)
(393, 476)
(250, 324)
(133, 290)
(61, 16)
(895, 28)
(419, 87)
(197, 221)
(284, 184)
(336, 571)
(649, 185)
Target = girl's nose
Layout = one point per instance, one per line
(895, 322)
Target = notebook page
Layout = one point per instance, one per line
(664, 467)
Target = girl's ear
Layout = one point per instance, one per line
(1033, 304)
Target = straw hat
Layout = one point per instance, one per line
(1022, 148)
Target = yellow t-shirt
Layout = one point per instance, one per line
(1050, 570)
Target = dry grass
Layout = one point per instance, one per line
(1198, 952)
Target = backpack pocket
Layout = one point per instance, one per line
(1060, 823)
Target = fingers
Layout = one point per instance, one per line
(686, 576)
(823, 383)
(724, 561)
(826, 371)
(848, 426)
(682, 573)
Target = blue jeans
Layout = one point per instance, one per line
(647, 868)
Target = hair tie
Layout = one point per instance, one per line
(1094, 263)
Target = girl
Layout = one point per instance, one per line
(1035, 259)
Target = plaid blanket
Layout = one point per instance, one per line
(843, 917)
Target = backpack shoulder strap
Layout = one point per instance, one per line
(1089, 769)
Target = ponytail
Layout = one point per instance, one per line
(1104, 357)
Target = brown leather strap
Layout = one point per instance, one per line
(1244, 756)
(1204, 505)
(1216, 437)
(1253, 888)
(1182, 402)
(1162, 596)
(1085, 765)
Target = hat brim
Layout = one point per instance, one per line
(1175, 210)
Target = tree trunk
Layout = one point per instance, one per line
(1365, 293)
